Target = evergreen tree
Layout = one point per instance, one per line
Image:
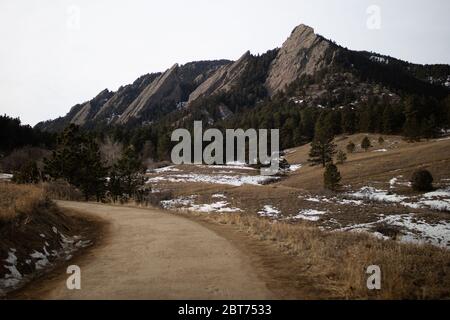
(365, 144)
(331, 177)
(388, 120)
(429, 128)
(411, 127)
(380, 141)
(127, 175)
(77, 160)
(322, 148)
(351, 147)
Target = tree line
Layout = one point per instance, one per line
(77, 160)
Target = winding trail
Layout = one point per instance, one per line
(150, 254)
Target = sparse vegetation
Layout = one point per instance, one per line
(19, 199)
(422, 180)
(337, 261)
(341, 157)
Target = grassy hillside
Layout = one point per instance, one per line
(379, 164)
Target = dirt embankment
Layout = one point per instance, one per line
(36, 236)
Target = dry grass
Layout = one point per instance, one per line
(61, 190)
(361, 167)
(338, 261)
(19, 199)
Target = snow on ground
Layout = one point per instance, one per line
(269, 212)
(166, 169)
(232, 180)
(309, 214)
(234, 165)
(396, 181)
(412, 229)
(13, 278)
(351, 202)
(6, 176)
(437, 200)
(40, 259)
(380, 150)
(295, 167)
(187, 203)
(369, 193)
(220, 206)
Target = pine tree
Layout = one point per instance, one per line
(429, 128)
(127, 175)
(322, 148)
(380, 141)
(77, 160)
(331, 177)
(351, 147)
(388, 120)
(365, 144)
(411, 127)
(341, 157)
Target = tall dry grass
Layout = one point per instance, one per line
(339, 260)
(19, 199)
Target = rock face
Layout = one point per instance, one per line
(304, 52)
(222, 80)
(166, 86)
(120, 101)
(137, 102)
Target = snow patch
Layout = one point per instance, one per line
(309, 214)
(270, 212)
(237, 181)
(373, 194)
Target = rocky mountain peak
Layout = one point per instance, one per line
(303, 52)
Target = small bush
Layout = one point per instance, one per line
(61, 190)
(422, 180)
(351, 147)
(365, 144)
(341, 157)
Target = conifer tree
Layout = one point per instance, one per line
(127, 175)
(331, 177)
(322, 148)
(351, 147)
(77, 160)
(365, 144)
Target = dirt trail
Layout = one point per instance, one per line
(150, 254)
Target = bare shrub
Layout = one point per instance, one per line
(61, 190)
(19, 199)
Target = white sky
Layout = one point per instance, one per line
(49, 62)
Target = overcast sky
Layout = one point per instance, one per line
(55, 54)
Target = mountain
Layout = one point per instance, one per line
(303, 53)
(308, 71)
(143, 101)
